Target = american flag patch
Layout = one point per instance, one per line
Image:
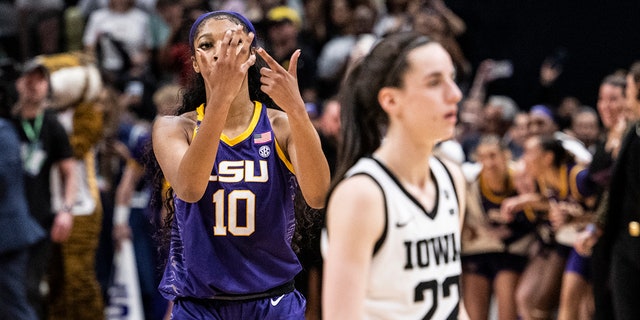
(262, 137)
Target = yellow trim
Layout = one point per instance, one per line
(573, 184)
(563, 188)
(92, 179)
(284, 158)
(252, 125)
(528, 212)
(490, 195)
(134, 163)
(564, 182)
(199, 117)
(246, 133)
(55, 62)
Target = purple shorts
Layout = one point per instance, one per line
(490, 264)
(578, 264)
(289, 306)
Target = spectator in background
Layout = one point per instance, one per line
(282, 39)
(619, 222)
(435, 24)
(256, 12)
(518, 134)
(18, 230)
(334, 59)
(328, 126)
(163, 20)
(494, 251)
(564, 193)
(119, 37)
(44, 143)
(565, 110)
(40, 27)
(315, 29)
(543, 122)
(395, 17)
(470, 114)
(496, 119)
(172, 58)
(611, 105)
(585, 126)
(133, 216)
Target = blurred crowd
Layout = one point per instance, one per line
(538, 174)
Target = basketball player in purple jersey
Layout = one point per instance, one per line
(234, 166)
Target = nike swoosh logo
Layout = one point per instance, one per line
(403, 223)
(276, 301)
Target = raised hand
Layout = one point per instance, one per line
(224, 65)
(280, 84)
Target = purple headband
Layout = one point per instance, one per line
(203, 16)
(540, 109)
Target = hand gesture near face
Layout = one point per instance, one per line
(224, 64)
(280, 84)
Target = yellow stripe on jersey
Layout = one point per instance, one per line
(492, 196)
(529, 213)
(563, 188)
(246, 133)
(573, 183)
(199, 117)
(283, 157)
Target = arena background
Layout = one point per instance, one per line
(597, 36)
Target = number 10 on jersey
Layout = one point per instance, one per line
(230, 203)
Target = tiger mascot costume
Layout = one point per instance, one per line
(76, 84)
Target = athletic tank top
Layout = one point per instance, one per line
(574, 187)
(481, 226)
(415, 269)
(236, 240)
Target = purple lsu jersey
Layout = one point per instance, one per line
(236, 240)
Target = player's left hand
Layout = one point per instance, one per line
(280, 84)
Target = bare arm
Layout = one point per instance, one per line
(301, 139)
(457, 25)
(63, 222)
(533, 200)
(355, 221)
(133, 172)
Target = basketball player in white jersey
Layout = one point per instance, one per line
(392, 240)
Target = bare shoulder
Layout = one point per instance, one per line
(356, 195)
(279, 119)
(357, 201)
(171, 125)
(280, 124)
(359, 187)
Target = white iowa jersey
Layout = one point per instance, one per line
(415, 270)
